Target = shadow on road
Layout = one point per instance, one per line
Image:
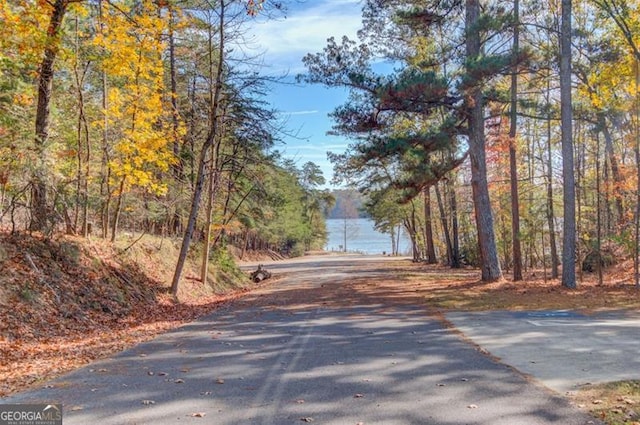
(319, 345)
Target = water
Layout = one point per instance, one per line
(361, 237)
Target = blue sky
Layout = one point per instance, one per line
(304, 108)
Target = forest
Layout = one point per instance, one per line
(505, 136)
(136, 116)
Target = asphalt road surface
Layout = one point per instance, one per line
(283, 356)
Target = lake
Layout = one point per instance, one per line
(361, 237)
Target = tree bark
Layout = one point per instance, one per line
(615, 166)
(118, 210)
(455, 237)
(513, 167)
(430, 250)
(566, 119)
(445, 227)
(40, 211)
(105, 168)
(551, 220)
(474, 105)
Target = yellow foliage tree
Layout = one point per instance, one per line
(132, 41)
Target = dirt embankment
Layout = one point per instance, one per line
(68, 301)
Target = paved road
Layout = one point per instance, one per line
(564, 350)
(277, 358)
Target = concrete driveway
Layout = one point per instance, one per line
(563, 350)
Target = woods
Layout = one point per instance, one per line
(505, 104)
(146, 116)
(498, 134)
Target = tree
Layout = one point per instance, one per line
(474, 108)
(212, 136)
(513, 166)
(135, 109)
(315, 201)
(566, 112)
(40, 209)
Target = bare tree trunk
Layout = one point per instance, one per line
(598, 214)
(445, 227)
(474, 105)
(83, 158)
(177, 167)
(580, 162)
(204, 267)
(105, 168)
(513, 166)
(566, 119)
(394, 243)
(40, 211)
(615, 167)
(428, 229)
(453, 212)
(636, 253)
(116, 213)
(410, 225)
(208, 144)
(213, 189)
(551, 220)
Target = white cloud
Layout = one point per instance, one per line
(308, 147)
(305, 30)
(301, 112)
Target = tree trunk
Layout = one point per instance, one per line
(474, 105)
(105, 168)
(636, 248)
(206, 251)
(208, 144)
(410, 225)
(566, 118)
(453, 211)
(177, 167)
(513, 167)
(116, 213)
(213, 188)
(394, 242)
(598, 214)
(615, 167)
(428, 229)
(445, 227)
(40, 212)
(551, 219)
(82, 135)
